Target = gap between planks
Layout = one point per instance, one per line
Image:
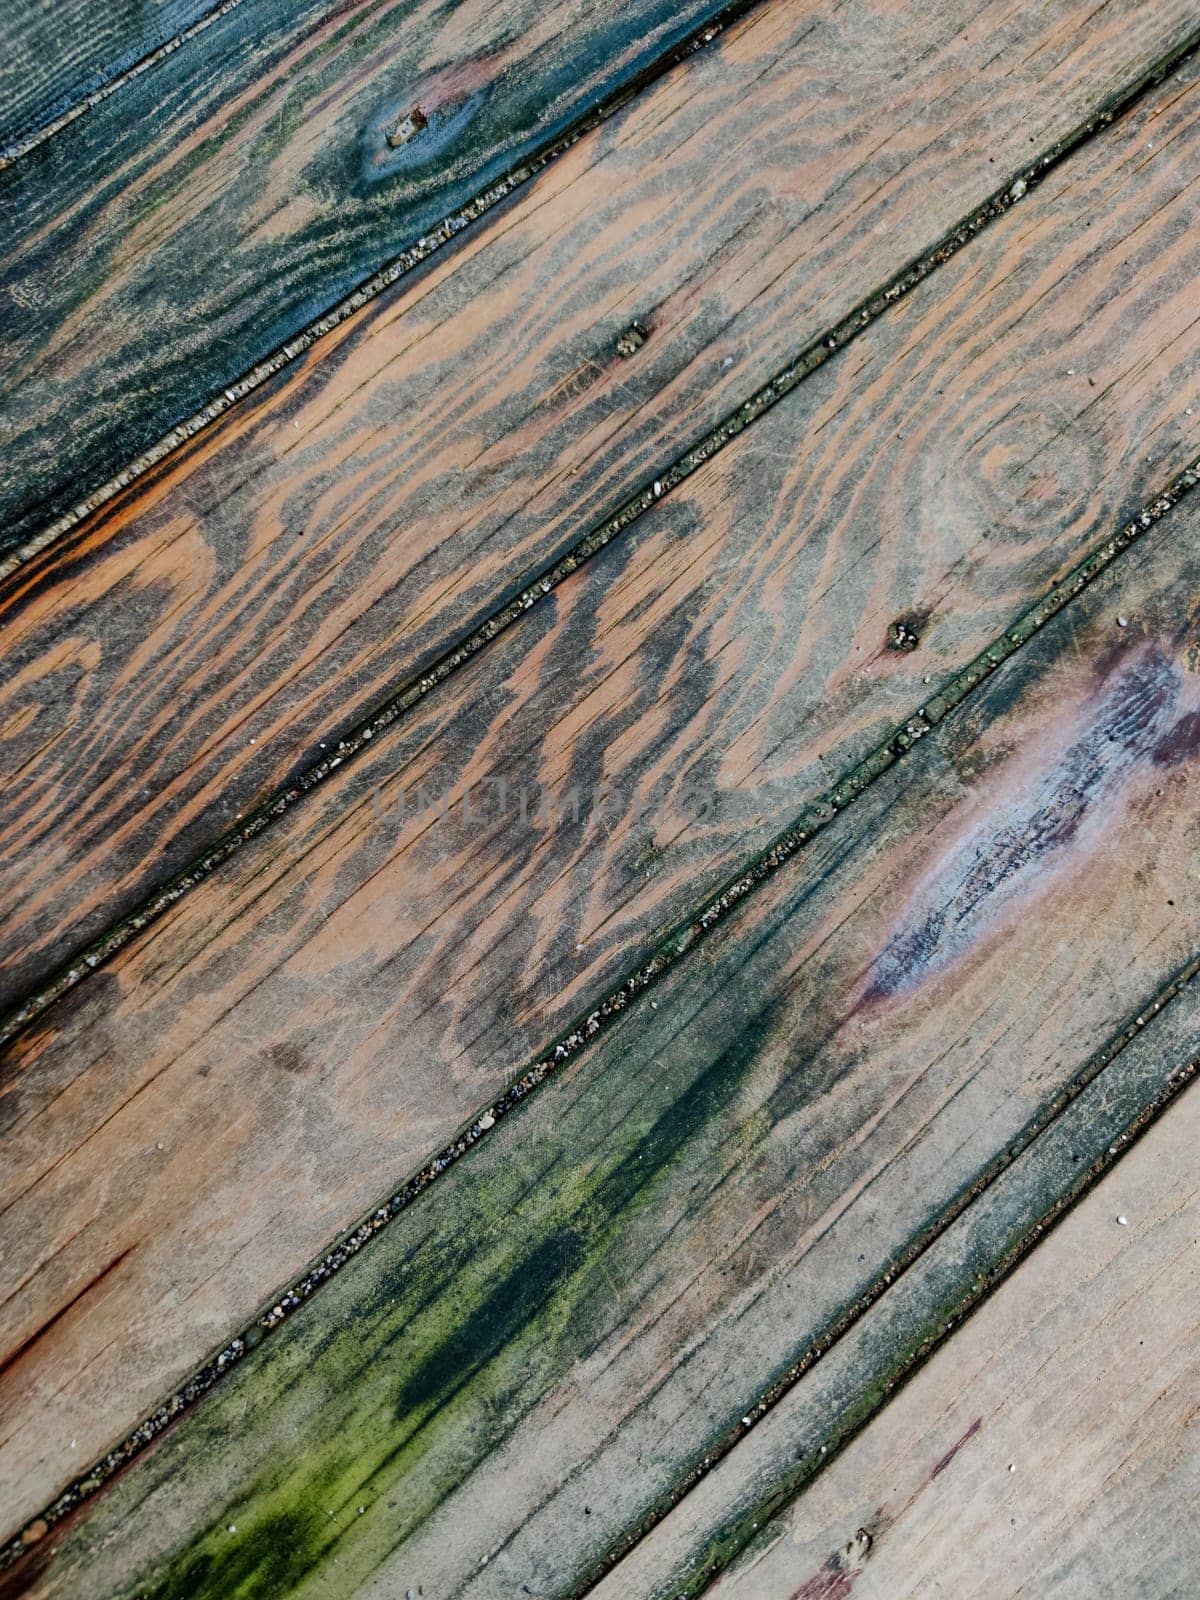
(815, 816)
(402, 698)
(10, 154)
(1127, 1112)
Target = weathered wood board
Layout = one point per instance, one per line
(185, 655)
(55, 58)
(1051, 1448)
(359, 986)
(507, 1379)
(196, 222)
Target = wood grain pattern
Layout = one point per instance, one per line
(1052, 1447)
(356, 985)
(52, 58)
(511, 1375)
(175, 662)
(194, 224)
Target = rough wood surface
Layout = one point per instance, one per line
(353, 985)
(739, 1501)
(193, 224)
(1053, 1447)
(53, 57)
(510, 1375)
(187, 653)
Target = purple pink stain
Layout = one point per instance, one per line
(941, 1465)
(833, 1582)
(1063, 808)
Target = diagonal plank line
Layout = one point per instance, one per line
(13, 152)
(401, 698)
(815, 816)
(1132, 1123)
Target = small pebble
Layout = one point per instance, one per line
(1123, 1222)
(1012, 1466)
(1018, 189)
(1122, 622)
(361, 1509)
(487, 1121)
(657, 488)
(632, 340)
(232, 1528)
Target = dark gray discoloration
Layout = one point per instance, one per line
(120, 793)
(673, 1182)
(193, 224)
(55, 58)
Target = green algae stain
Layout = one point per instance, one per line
(434, 1359)
(269, 1558)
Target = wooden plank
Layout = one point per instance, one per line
(311, 551)
(503, 1382)
(740, 1502)
(54, 58)
(195, 223)
(1052, 1446)
(359, 984)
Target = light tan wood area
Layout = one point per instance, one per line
(380, 977)
(1051, 1447)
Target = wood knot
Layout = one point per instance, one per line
(856, 1550)
(406, 130)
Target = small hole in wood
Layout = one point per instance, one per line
(632, 339)
(407, 129)
(903, 635)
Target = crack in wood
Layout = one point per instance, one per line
(816, 816)
(821, 1456)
